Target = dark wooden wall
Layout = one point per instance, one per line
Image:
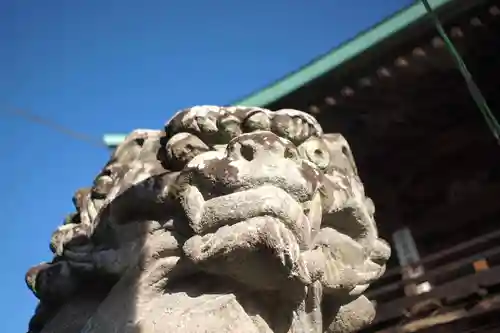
(423, 150)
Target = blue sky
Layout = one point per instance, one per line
(100, 66)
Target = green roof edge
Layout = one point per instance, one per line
(334, 58)
(340, 54)
(113, 140)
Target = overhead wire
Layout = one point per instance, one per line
(34, 118)
(473, 88)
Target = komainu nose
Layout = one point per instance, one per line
(261, 145)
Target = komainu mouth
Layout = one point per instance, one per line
(230, 219)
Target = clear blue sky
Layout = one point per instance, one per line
(100, 66)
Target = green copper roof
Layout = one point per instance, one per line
(113, 140)
(327, 62)
(339, 55)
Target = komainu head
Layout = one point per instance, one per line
(256, 211)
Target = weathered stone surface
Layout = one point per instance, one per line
(230, 219)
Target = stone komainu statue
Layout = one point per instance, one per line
(231, 219)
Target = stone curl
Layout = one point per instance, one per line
(256, 209)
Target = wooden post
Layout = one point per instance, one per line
(408, 255)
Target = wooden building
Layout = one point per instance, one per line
(425, 154)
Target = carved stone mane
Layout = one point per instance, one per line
(230, 219)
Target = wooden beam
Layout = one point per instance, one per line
(464, 285)
(469, 246)
(486, 310)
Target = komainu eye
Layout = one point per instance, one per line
(315, 151)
